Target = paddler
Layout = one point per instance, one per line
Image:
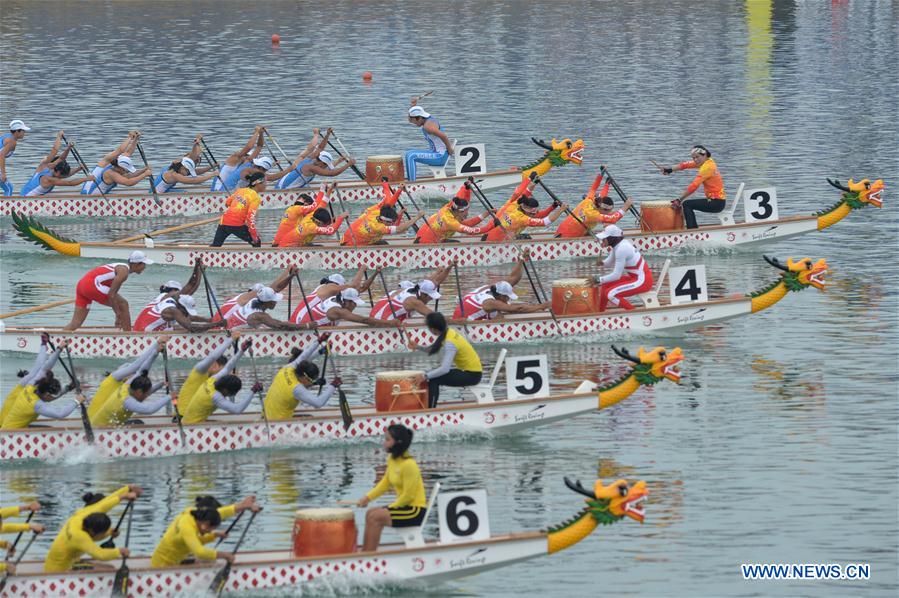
(16, 528)
(316, 224)
(8, 142)
(710, 179)
(303, 206)
(131, 397)
(521, 212)
(117, 382)
(253, 313)
(339, 308)
(220, 392)
(250, 151)
(184, 170)
(410, 298)
(328, 287)
(403, 477)
(102, 285)
(593, 210)
(630, 273)
(52, 171)
(193, 528)
(440, 148)
(379, 220)
(175, 305)
(452, 219)
(313, 161)
(80, 533)
(116, 168)
(239, 218)
(291, 384)
(489, 301)
(35, 374)
(209, 366)
(233, 305)
(460, 365)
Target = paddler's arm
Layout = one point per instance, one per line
(61, 182)
(306, 353)
(203, 366)
(368, 282)
(232, 363)
(58, 408)
(196, 547)
(408, 224)
(317, 400)
(280, 283)
(81, 541)
(310, 147)
(148, 406)
(190, 323)
(193, 283)
(236, 405)
(259, 319)
(3, 151)
(514, 308)
(252, 207)
(413, 304)
(129, 369)
(337, 314)
(515, 276)
(446, 362)
(108, 502)
(46, 365)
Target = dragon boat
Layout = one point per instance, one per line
(412, 560)
(159, 437)
(470, 251)
(354, 339)
(200, 200)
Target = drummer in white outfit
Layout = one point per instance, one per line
(630, 273)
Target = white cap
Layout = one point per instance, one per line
(419, 111)
(189, 303)
(428, 288)
(139, 257)
(352, 294)
(126, 163)
(327, 158)
(190, 165)
(257, 287)
(263, 162)
(610, 231)
(337, 278)
(267, 294)
(504, 288)
(173, 284)
(406, 284)
(17, 125)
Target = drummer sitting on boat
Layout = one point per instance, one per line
(303, 206)
(440, 148)
(410, 298)
(101, 285)
(220, 392)
(53, 171)
(404, 477)
(451, 219)
(379, 220)
(116, 168)
(313, 161)
(8, 141)
(591, 211)
(339, 308)
(184, 170)
(460, 365)
(291, 385)
(489, 301)
(710, 179)
(630, 273)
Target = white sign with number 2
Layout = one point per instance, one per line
(471, 158)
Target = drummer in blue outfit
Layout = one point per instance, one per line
(8, 141)
(440, 148)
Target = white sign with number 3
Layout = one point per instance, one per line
(463, 516)
(760, 205)
(471, 158)
(687, 284)
(527, 377)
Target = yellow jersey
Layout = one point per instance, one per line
(467, 358)
(193, 383)
(279, 401)
(183, 538)
(107, 387)
(22, 413)
(201, 405)
(10, 401)
(404, 477)
(113, 411)
(72, 541)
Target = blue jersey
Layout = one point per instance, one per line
(295, 178)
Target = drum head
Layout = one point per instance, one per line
(324, 514)
(399, 375)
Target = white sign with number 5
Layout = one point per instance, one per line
(463, 516)
(471, 158)
(527, 377)
(687, 284)
(760, 204)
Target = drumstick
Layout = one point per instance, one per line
(659, 166)
(347, 502)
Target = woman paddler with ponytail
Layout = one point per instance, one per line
(460, 365)
(292, 382)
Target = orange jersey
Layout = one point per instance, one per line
(445, 224)
(306, 230)
(367, 229)
(708, 176)
(241, 210)
(513, 222)
(512, 202)
(589, 215)
(289, 220)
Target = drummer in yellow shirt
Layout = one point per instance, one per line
(15, 528)
(195, 527)
(403, 475)
(460, 365)
(80, 533)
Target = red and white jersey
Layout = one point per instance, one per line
(474, 305)
(101, 277)
(624, 258)
(240, 315)
(319, 311)
(229, 308)
(382, 308)
(150, 318)
(301, 315)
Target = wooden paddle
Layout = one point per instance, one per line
(268, 431)
(633, 210)
(70, 370)
(168, 389)
(143, 157)
(110, 543)
(221, 578)
(12, 549)
(277, 145)
(120, 584)
(659, 166)
(18, 560)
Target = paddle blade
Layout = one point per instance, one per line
(120, 585)
(86, 422)
(345, 414)
(218, 583)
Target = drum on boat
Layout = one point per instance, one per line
(574, 296)
(405, 390)
(381, 166)
(657, 216)
(324, 531)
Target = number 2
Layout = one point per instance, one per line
(763, 199)
(689, 286)
(454, 514)
(473, 156)
(522, 374)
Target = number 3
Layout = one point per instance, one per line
(763, 199)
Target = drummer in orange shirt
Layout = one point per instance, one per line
(239, 218)
(378, 221)
(593, 210)
(451, 219)
(710, 179)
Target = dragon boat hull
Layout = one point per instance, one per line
(361, 340)
(159, 437)
(256, 571)
(199, 200)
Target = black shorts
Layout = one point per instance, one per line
(406, 516)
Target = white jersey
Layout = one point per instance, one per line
(624, 257)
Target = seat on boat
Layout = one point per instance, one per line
(439, 172)
(411, 536)
(726, 217)
(483, 392)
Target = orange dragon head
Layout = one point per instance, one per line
(861, 193)
(801, 273)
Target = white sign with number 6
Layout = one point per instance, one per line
(760, 204)
(687, 284)
(463, 516)
(471, 158)
(527, 377)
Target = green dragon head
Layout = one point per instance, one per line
(652, 366)
(858, 195)
(609, 504)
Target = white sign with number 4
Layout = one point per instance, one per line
(687, 284)
(471, 158)
(760, 205)
(527, 377)
(463, 516)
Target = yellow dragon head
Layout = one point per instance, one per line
(861, 193)
(653, 366)
(608, 504)
(558, 153)
(801, 273)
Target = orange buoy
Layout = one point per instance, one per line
(276, 39)
(366, 76)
